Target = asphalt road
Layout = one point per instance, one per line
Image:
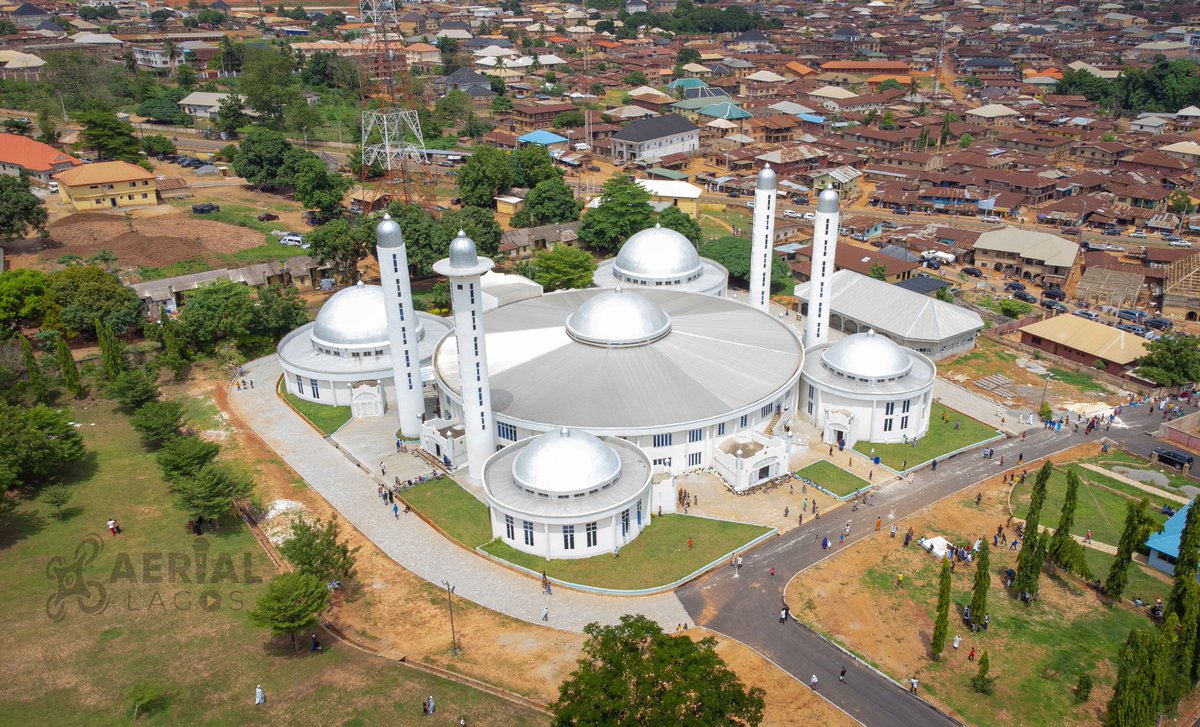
(746, 606)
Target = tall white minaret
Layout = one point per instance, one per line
(820, 292)
(404, 327)
(762, 238)
(463, 268)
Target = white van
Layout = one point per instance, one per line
(53, 185)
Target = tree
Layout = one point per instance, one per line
(22, 296)
(1138, 527)
(676, 219)
(634, 674)
(479, 224)
(889, 84)
(420, 235)
(983, 581)
(83, 294)
(1062, 550)
(1171, 360)
(230, 56)
(300, 116)
(624, 209)
(878, 270)
(112, 352)
(637, 78)
(184, 457)
(33, 372)
(317, 188)
(20, 210)
(563, 268)
(261, 158)
(888, 122)
(1166, 86)
(314, 548)
(941, 623)
(291, 602)
(733, 253)
(453, 108)
(343, 243)
(278, 310)
(1187, 564)
(157, 144)
(217, 310)
(133, 388)
(48, 132)
(266, 82)
(965, 141)
(1181, 203)
(533, 165)
(943, 294)
(68, 369)
(57, 496)
(981, 682)
(108, 136)
(569, 119)
(686, 55)
(485, 174)
(1014, 308)
(1134, 702)
(162, 110)
(1083, 83)
(500, 105)
(211, 492)
(158, 421)
(550, 202)
(35, 443)
(185, 77)
(1029, 560)
(231, 114)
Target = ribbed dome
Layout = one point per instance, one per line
(566, 461)
(355, 316)
(658, 253)
(618, 317)
(462, 251)
(867, 356)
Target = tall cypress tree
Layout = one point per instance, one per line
(112, 353)
(1062, 549)
(983, 580)
(1138, 527)
(1134, 702)
(68, 369)
(1187, 563)
(36, 382)
(937, 643)
(1029, 560)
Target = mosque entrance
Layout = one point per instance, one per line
(367, 400)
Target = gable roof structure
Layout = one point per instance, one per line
(103, 173)
(32, 155)
(655, 128)
(1050, 249)
(1090, 338)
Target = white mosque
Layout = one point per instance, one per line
(575, 410)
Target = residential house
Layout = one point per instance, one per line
(992, 115)
(843, 180)
(1037, 256)
(202, 104)
(1085, 342)
(651, 139)
(27, 16)
(40, 161)
(105, 185)
(532, 115)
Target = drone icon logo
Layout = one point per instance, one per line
(90, 596)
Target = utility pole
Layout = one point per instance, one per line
(454, 650)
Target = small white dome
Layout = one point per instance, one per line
(566, 461)
(462, 251)
(658, 253)
(618, 317)
(868, 356)
(355, 316)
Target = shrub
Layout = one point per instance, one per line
(1083, 687)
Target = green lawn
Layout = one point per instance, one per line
(1082, 381)
(1097, 509)
(833, 478)
(240, 216)
(941, 438)
(1141, 583)
(656, 557)
(456, 511)
(77, 670)
(327, 419)
(1118, 458)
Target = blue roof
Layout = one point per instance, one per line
(1167, 542)
(811, 118)
(724, 110)
(541, 136)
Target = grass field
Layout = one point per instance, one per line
(987, 358)
(1097, 509)
(656, 557)
(833, 478)
(1083, 382)
(941, 438)
(327, 419)
(159, 627)
(456, 511)
(1117, 458)
(1141, 583)
(231, 214)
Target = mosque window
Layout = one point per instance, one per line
(889, 408)
(904, 406)
(887, 424)
(744, 421)
(299, 384)
(528, 532)
(591, 535)
(694, 459)
(506, 431)
(509, 531)
(625, 522)
(721, 429)
(316, 391)
(766, 410)
(662, 440)
(904, 422)
(568, 537)
(695, 435)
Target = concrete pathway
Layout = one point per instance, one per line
(1148, 489)
(412, 543)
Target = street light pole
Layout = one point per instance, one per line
(454, 651)
(1045, 386)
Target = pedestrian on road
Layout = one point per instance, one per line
(933, 466)
(739, 562)
(813, 682)
(878, 523)
(783, 615)
(893, 532)
(1020, 459)
(395, 511)
(912, 685)
(382, 469)
(545, 613)
(842, 675)
(800, 519)
(260, 697)
(786, 512)
(1001, 460)
(957, 641)
(1088, 538)
(805, 505)
(771, 572)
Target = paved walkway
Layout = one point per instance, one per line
(412, 543)
(1148, 489)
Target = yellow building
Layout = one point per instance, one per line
(106, 185)
(508, 205)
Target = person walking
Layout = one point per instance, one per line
(878, 523)
(971, 656)
(382, 469)
(316, 644)
(689, 543)
(739, 562)
(112, 527)
(900, 581)
(783, 615)
(912, 685)
(933, 466)
(786, 512)
(545, 613)
(842, 675)
(432, 707)
(395, 511)
(812, 682)
(260, 697)
(893, 532)
(957, 642)
(1088, 538)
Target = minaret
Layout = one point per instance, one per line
(403, 326)
(463, 268)
(762, 239)
(820, 292)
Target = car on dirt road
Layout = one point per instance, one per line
(1014, 285)
(1055, 294)
(1053, 305)
(1023, 296)
(267, 217)
(1140, 235)
(204, 208)
(1091, 315)
(292, 239)
(1179, 243)
(793, 215)
(1072, 231)
(973, 272)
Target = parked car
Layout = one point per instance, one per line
(1053, 305)
(1014, 285)
(1139, 235)
(734, 194)
(859, 236)
(1170, 237)
(750, 204)
(1173, 457)
(991, 219)
(1160, 324)
(889, 225)
(1179, 243)
(267, 217)
(933, 264)
(1091, 315)
(204, 208)
(973, 272)
(1113, 248)
(1132, 328)
(1112, 231)
(793, 215)
(810, 216)
(1127, 314)
(1022, 295)
(799, 199)
(900, 211)
(1054, 294)
(312, 219)
(292, 239)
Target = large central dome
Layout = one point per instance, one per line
(658, 253)
(868, 356)
(566, 462)
(355, 316)
(618, 317)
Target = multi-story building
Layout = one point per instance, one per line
(105, 185)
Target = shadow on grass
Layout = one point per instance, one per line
(69, 513)
(17, 525)
(83, 469)
(282, 646)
